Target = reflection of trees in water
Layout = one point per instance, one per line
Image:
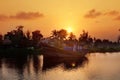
(0, 62)
(37, 63)
(14, 62)
(69, 63)
(31, 64)
(22, 64)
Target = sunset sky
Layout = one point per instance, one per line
(101, 18)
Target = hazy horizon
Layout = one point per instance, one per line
(100, 18)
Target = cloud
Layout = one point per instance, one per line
(29, 15)
(117, 18)
(22, 16)
(3, 17)
(93, 14)
(112, 13)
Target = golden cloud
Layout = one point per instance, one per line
(22, 16)
(112, 13)
(93, 14)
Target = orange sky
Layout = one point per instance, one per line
(100, 18)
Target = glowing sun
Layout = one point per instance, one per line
(69, 29)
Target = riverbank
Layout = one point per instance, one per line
(103, 49)
(14, 51)
(45, 50)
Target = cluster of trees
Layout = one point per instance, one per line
(59, 34)
(59, 37)
(93, 44)
(17, 38)
(62, 34)
(86, 41)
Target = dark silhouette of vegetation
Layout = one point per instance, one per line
(98, 45)
(28, 35)
(36, 37)
(60, 34)
(17, 38)
(72, 37)
(85, 40)
(1, 37)
(19, 41)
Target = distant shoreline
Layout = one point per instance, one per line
(45, 49)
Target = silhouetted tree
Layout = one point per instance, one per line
(62, 34)
(1, 38)
(98, 42)
(36, 36)
(19, 32)
(54, 34)
(84, 38)
(59, 34)
(28, 35)
(106, 41)
(90, 41)
(16, 36)
(72, 37)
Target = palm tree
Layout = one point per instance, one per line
(59, 34)
(72, 37)
(62, 34)
(83, 39)
(54, 34)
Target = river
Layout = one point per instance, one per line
(97, 66)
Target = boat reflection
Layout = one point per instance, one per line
(31, 64)
(69, 63)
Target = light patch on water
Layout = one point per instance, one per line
(100, 67)
(61, 74)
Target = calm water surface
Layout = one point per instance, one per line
(96, 66)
